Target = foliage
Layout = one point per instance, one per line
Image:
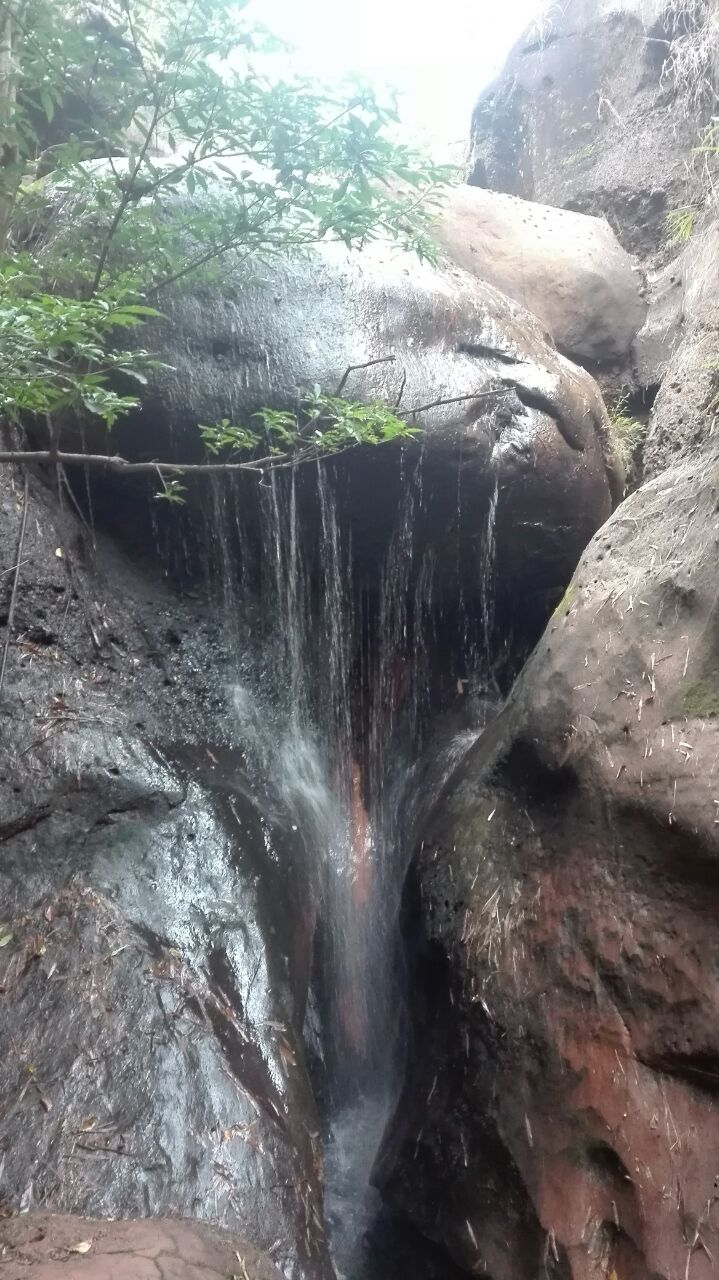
(680, 224)
(626, 433)
(55, 354)
(709, 144)
(142, 142)
(321, 424)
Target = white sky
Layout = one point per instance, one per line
(438, 53)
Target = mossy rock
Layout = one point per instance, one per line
(701, 699)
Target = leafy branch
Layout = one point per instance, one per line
(322, 426)
(142, 141)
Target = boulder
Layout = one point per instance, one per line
(566, 268)
(46, 1246)
(586, 115)
(505, 408)
(564, 1097)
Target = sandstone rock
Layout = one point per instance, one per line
(683, 422)
(582, 117)
(568, 269)
(565, 1097)
(50, 1247)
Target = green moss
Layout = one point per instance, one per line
(701, 700)
(585, 153)
(566, 601)
(627, 435)
(680, 224)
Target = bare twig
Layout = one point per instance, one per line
(366, 364)
(13, 593)
(435, 404)
(115, 463)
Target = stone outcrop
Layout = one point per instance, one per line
(566, 268)
(679, 348)
(157, 917)
(513, 411)
(47, 1247)
(585, 116)
(158, 910)
(568, 879)
(564, 1096)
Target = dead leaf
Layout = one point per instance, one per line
(38, 946)
(84, 1246)
(5, 938)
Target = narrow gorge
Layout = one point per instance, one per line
(358, 812)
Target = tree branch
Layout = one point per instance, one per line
(125, 199)
(13, 592)
(115, 463)
(366, 364)
(436, 404)
(259, 466)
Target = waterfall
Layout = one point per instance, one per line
(331, 694)
(486, 577)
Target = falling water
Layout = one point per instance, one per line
(331, 694)
(486, 577)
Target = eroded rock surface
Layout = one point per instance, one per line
(687, 403)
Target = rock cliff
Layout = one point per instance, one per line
(564, 1094)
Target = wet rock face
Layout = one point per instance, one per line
(156, 914)
(566, 268)
(44, 1247)
(581, 117)
(569, 884)
(522, 416)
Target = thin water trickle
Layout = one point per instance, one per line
(331, 696)
(486, 578)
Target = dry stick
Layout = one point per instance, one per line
(366, 364)
(435, 404)
(13, 593)
(122, 465)
(258, 465)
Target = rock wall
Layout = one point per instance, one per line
(585, 116)
(157, 916)
(157, 907)
(561, 1114)
(569, 879)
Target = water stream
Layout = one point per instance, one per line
(332, 699)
